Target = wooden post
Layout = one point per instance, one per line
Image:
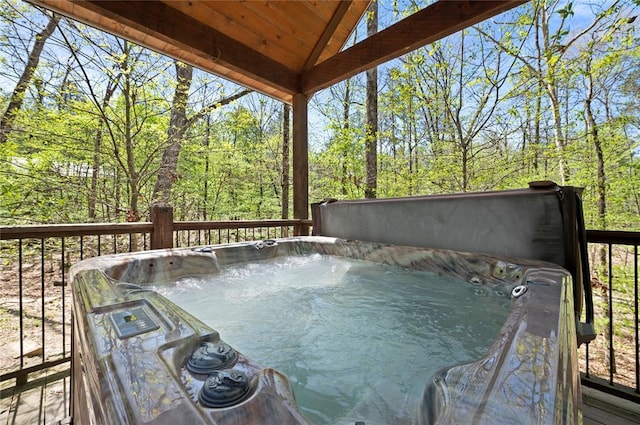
(300, 162)
(162, 219)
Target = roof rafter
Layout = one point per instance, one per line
(181, 30)
(328, 33)
(423, 27)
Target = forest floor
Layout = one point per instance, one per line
(42, 338)
(624, 367)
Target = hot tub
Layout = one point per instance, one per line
(139, 358)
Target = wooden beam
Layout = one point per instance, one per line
(184, 32)
(300, 158)
(423, 27)
(328, 32)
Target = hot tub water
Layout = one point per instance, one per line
(358, 340)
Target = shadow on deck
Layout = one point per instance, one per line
(43, 400)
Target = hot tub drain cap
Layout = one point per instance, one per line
(210, 357)
(224, 388)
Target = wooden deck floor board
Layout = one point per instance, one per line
(27, 406)
(56, 397)
(603, 409)
(42, 400)
(5, 406)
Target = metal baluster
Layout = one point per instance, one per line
(635, 310)
(20, 303)
(42, 297)
(611, 351)
(64, 346)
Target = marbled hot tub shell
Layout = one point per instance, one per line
(132, 346)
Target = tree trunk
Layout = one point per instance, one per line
(371, 126)
(93, 192)
(132, 173)
(601, 177)
(538, 114)
(465, 166)
(205, 188)
(410, 147)
(17, 97)
(592, 135)
(177, 126)
(552, 92)
(346, 104)
(97, 146)
(286, 126)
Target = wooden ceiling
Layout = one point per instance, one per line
(279, 47)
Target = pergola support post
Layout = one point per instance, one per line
(300, 162)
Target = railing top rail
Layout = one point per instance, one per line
(613, 236)
(236, 224)
(64, 230)
(85, 229)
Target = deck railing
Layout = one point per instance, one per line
(35, 307)
(35, 301)
(611, 363)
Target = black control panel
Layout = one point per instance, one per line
(133, 322)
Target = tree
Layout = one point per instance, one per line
(17, 96)
(179, 123)
(339, 166)
(371, 126)
(550, 63)
(603, 56)
(131, 122)
(457, 90)
(92, 42)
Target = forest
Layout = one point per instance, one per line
(97, 129)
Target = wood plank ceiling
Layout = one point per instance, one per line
(279, 48)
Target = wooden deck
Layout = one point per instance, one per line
(45, 400)
(42, 400)
(603, 409)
